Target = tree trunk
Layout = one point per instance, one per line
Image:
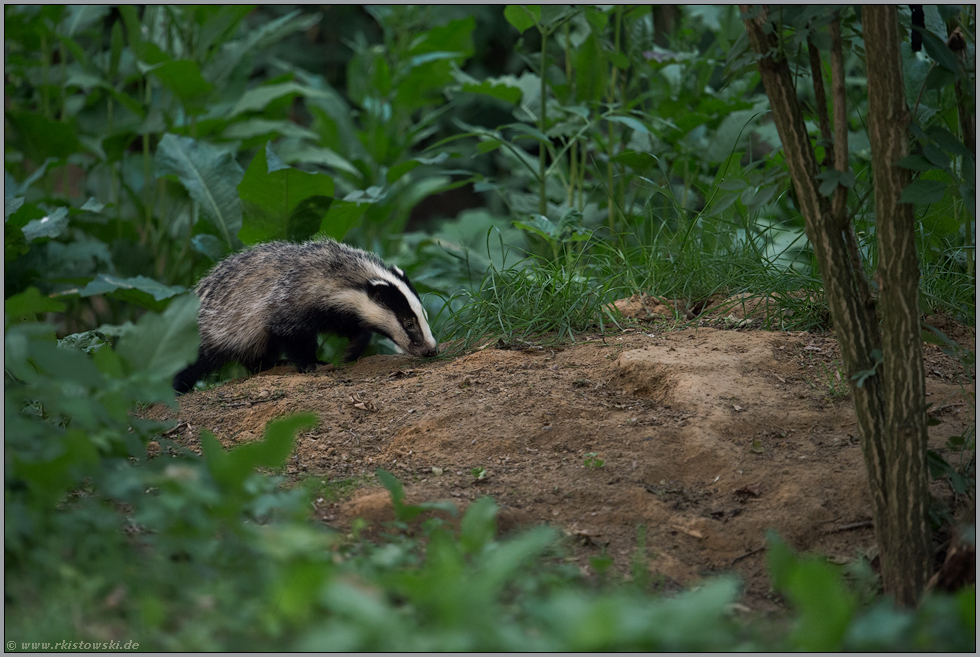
(879, 412)
(906, 568)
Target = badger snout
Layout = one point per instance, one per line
(424, 350)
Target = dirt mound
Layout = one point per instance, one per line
(739, 311)
(707, 438)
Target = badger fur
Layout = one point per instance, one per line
(277, 297)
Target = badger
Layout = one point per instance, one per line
(277, 297)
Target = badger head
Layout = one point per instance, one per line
(397, 312)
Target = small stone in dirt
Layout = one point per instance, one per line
(751, 489)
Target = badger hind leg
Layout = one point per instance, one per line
(207, 362)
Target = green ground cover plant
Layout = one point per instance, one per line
(614, 150)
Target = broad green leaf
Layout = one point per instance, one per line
(79, 17)
(494, 88)
(256, 100)
(49, 479)
(105, 284)
(939, 51)
(41, 138)
(211, 178)
(591, 71)
(104, 357)
(281, 202)
(86, 341)
(529, 130)
(368, 69)
(261, 127)
(935, 155)
(11, 204)
(93, 206)
(597, 17)
(399, 170)
(19, 341)
(219, 23)
(488, 146)
(163, 344)
(232, 468)
(306, 153)
(66, 364)
(341, 217)
(220, 67)
(879, 629)
(618, 59)
(722, 203)
(50, 226)
(84, 81)
(733, 185)
(479, 525)
(13, 188)
(403, 512)
(184, 79)
(924, 192)
(915, 162)
(523, 16)
(455, 39)
(938, 78)
(500, 564)
(817, 591)
(830, 178)
(948, 141)
(306, 219)
(29, 303)
(116, 42)
(761, 197)
(552, 15)
(629, 121)
(437, 56)
(636, 160)
(391, 482)
(540, 226)
(208, 245)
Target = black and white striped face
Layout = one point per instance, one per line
(399, 313)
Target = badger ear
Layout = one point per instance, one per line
(378, 289)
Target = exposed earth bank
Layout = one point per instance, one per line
(705, 437)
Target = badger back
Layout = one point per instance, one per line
(236, 300)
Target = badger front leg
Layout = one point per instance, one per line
(301, 350)
(358, 343)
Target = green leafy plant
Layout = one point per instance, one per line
(592, 460)
(616, 152)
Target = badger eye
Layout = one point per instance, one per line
(411, 323)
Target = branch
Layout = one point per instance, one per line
(816, 72)
(840, 114)
(841, 162)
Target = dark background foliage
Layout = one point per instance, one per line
(497, 154)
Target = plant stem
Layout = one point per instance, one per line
(64, 109)
(610, 147)
(45, 57)
(572, 173)
(147, 183)
(542, 126)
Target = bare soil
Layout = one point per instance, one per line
(706, 437)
